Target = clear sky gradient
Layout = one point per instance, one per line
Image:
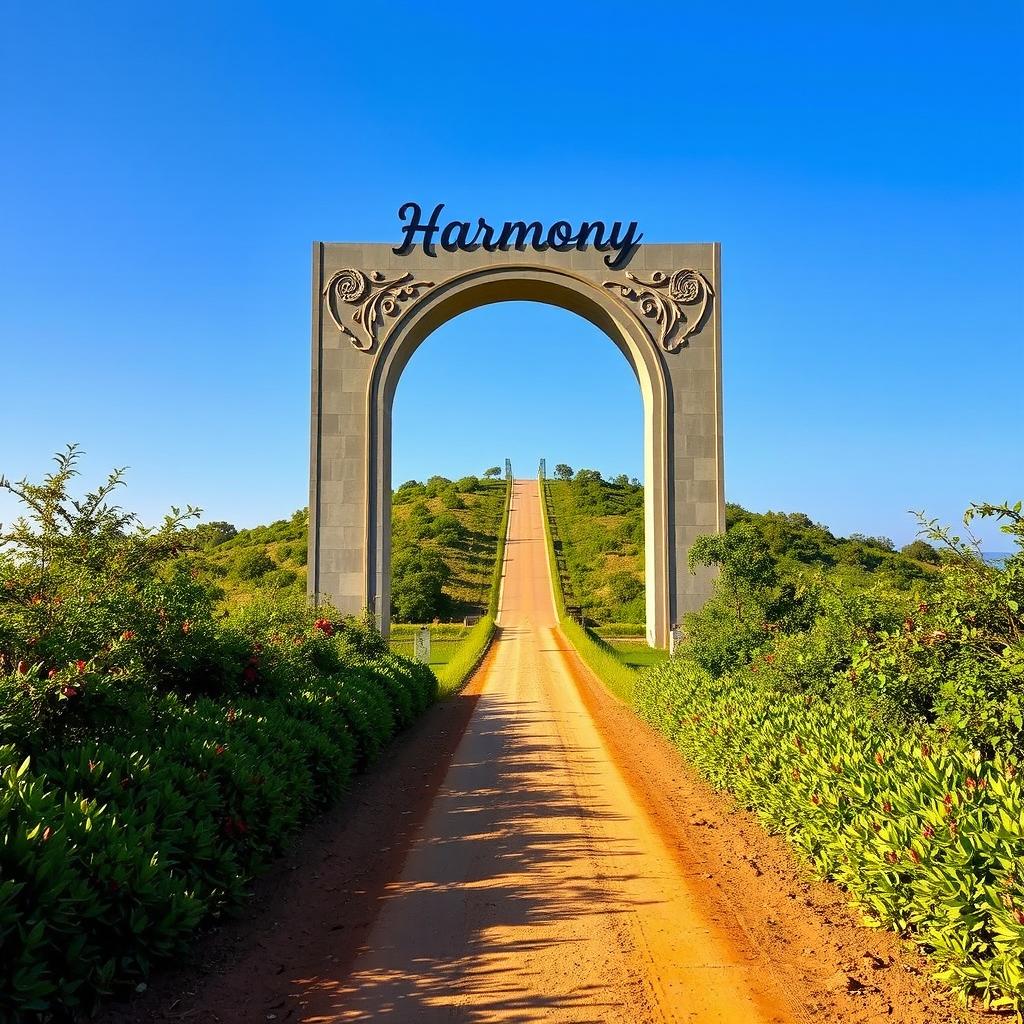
(166, 167)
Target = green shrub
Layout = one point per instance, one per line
(252, 564)
(882, 733)
(925, 835)
(153, 755)
(282, 579)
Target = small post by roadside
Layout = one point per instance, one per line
(675, 640)
(421, 645)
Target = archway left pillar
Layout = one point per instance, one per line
(340, 438)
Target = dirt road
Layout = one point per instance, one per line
(533, 852)
(537, 888)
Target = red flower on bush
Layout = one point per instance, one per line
(325, 626)
(81, 666)
(51, 674)
(880, 758)
(926, 751)
(1019, 915)
(70, 691)
(892, 857)
(232, 827)
(928, 832)
(127, 635)
(23, 668)
(914, 855)
(219, 749)
(186, 626)
(816, 800)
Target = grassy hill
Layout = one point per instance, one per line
(444, 538)
(600, 526)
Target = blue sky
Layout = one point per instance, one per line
(165, 170)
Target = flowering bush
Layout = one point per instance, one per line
(153, 756)
(888, 749)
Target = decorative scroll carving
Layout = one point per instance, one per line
(662, 298)
(375, 298)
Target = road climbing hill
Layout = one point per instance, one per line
(533, 852)
(537, 888)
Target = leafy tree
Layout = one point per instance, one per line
(563, 472)
(437, 485)
(883, 543)
(408, 491)
(252, 564)
(448, 531)
(752, 599)
(494, 471)
(209, 535)
(625, 586)
(418, 576)
(451, 498)
(922, 551)
(420, 521)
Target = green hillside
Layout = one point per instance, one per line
(444, 536)
(600, 526)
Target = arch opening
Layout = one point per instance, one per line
(522, 380)
(548, 287)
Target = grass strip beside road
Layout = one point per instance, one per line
(469, 652)
(601, 658)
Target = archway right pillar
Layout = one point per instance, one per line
(680, 306)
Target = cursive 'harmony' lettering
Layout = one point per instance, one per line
(619, 241)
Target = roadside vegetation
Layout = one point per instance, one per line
(444, 537)
(156, 749)
(867, 703)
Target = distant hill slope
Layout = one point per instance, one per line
(600, 523)
(444, 539)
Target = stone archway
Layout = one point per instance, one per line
(372, 308)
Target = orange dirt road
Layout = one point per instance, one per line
(538, 888)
